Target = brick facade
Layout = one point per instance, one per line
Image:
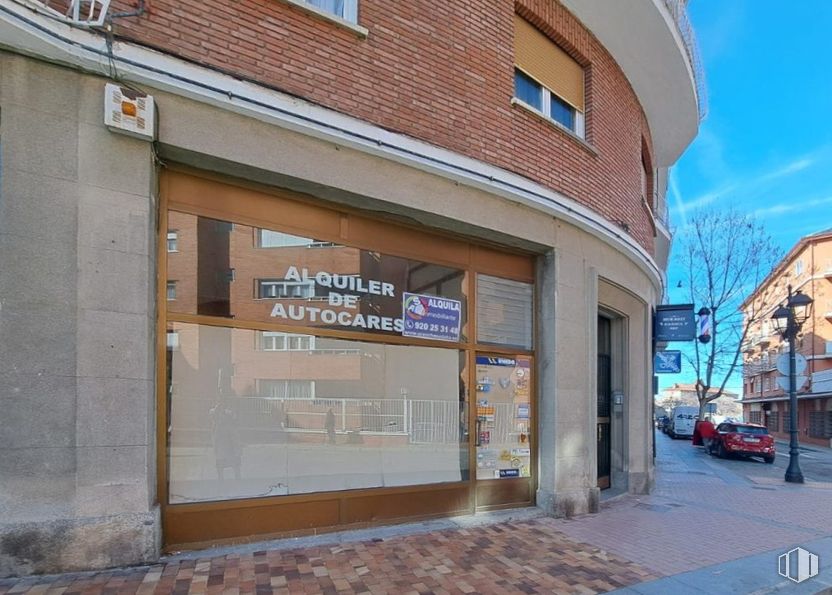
(441, 72)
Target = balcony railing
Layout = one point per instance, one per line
(678, 10)
(822, 381)
(86, 13)
(660, 210)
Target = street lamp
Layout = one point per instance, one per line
(788, 319)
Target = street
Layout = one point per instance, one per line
(815, 462)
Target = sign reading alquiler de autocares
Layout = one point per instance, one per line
(423, 316)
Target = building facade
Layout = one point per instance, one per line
(290, 266)
(681, 394)
(808, 269)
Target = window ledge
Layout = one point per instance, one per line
(555, 124)
(360, 31)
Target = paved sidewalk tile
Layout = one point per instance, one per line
(755, 575)
(529, 556)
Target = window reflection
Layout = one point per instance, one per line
(264, 413)
(270, 276)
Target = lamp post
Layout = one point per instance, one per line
(788, 319)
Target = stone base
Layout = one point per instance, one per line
(79, 544)
(641, 483)
(569, 503)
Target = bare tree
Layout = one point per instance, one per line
(726, 255)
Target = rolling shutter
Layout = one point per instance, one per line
(537, 56)
(504, 312)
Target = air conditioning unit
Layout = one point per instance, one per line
(129, 112)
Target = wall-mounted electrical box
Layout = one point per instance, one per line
(129, 112)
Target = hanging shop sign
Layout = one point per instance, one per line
(675, 322)
(431, 317)
(667, 362)
(703, 325)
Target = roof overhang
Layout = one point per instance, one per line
(643, 38)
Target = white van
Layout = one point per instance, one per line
(682, 421)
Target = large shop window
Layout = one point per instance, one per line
(343, 415)
(303, 364)
(263, 275)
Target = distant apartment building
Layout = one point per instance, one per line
(685, 394)
(807, 268)
(282, 267)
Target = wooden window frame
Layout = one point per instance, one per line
(196, 524)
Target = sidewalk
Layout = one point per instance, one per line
(706, 528)
(528, 555)
(741, 576)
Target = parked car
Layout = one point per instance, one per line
(749, 440)
(682, 420)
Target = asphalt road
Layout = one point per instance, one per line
(815, 462)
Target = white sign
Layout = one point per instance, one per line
(783, 364)
(342, 304)
(798, 565)
(783, 382)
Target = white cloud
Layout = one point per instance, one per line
(751, 183)
(788, 207)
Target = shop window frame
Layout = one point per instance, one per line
(371, 234)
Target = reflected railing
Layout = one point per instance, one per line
(266, 419)
(678, 10)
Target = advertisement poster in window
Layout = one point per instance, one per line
(431, 317)
(503, 417)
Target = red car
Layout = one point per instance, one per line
(750, 440)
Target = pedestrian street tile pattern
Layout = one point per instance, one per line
(701, 513)
(529, 556)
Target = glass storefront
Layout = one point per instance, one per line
(248, 422)
(325, 356)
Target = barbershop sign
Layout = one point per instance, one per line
(422, 316)
(675, 322)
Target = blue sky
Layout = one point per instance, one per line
(766, 144)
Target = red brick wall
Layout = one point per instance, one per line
(438, 71)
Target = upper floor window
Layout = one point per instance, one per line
(267, 238)
(798, 268)
(276, 341)
(346, 9)
(173, 241)
(280, 288)
(547, 79)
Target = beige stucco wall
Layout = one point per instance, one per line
(77, 320)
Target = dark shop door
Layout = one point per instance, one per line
(604, 401)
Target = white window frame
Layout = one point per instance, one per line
(546, 104)
(292, 241)
(260, 388)
(349, 20)
(798, 267)
(170, 289)
(268, 341)
(306, 294)
(173, 340)
(350, 10)
(173, 235)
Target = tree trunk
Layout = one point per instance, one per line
(702, 406)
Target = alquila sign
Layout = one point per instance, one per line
(423, 316)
